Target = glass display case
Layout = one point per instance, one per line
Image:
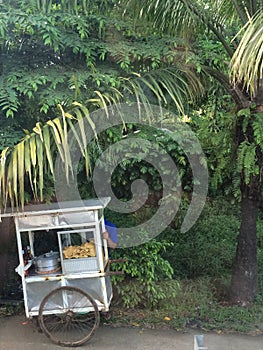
(81, 251)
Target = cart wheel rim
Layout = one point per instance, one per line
(69, 316)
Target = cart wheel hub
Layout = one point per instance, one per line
(69, 316)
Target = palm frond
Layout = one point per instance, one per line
(179, 85)
(247, 62)
(37, 152)
(21, 168)
(166, 16)
(192, 16)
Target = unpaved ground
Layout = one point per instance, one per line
(17, 333)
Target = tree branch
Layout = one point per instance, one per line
(209, 25)
(241, 99)
(240, 12)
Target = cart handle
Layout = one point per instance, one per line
(111, 273)
(117, 260)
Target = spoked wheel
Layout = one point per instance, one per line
(68, 316)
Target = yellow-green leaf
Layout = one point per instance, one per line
(40, 166)
(46, 141)
(21, 170)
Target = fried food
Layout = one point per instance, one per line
(84, 250)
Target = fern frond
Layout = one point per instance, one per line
(247, 160)
(9, 101)
(258, 129)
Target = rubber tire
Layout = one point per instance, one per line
(43, 319)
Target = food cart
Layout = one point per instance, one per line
(66, 279)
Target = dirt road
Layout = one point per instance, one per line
(16, 333)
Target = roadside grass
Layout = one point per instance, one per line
(200, 303)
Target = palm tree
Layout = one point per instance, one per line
(237, 25)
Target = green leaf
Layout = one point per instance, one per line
(245, 112)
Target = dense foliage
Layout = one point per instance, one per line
(230, 25)
(52, 54)
(56, 52)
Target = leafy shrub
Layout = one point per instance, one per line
(144, 269)
(208, 248)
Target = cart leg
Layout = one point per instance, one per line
(35, 321)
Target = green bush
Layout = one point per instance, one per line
(208, 248)
(144, 270)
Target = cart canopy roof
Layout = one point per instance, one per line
(58, 207)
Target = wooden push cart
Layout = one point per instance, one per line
(65, 286)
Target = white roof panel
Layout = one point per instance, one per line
(58, 207)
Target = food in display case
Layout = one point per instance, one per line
(84, 250)
(78, 251)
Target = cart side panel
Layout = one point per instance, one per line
(94, 287)
(37, 291)
(108, 288)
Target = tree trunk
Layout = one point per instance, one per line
(245, 275)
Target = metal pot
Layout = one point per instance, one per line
(47, 262)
